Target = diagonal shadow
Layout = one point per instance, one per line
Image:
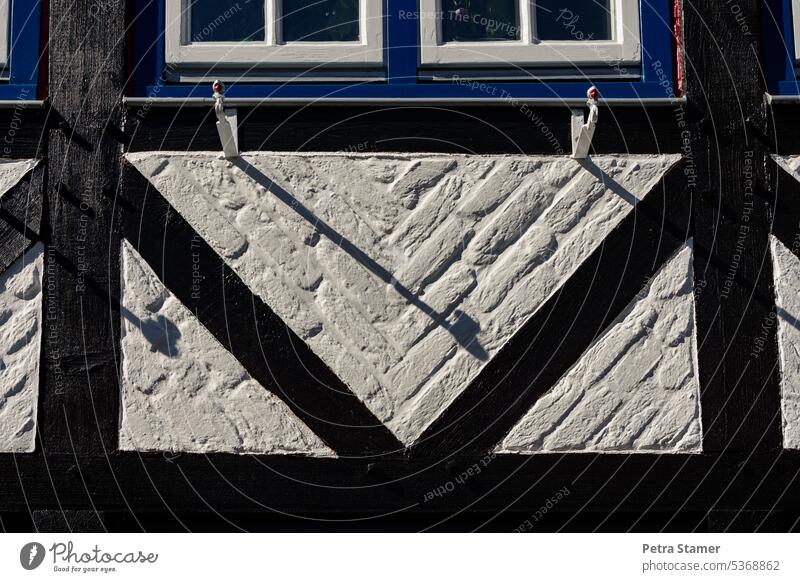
(269, 350)
(561, 330)
(609, 182)
(21, 217)
(464, 330)
(787, 317)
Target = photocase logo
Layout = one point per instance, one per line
(31, 555)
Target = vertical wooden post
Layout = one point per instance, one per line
(79, 399)
(725, 152)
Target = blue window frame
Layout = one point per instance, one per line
(20, 71)
(403, 77)
(781, 35)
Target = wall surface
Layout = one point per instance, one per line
(182, 391)
(20, 345)
(786, 266)
(321, 339)
(20, 333)
(787, 291)
(406, 274)
(636, 388)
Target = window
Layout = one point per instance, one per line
(796, 27)
(274, 33)
(529, 32)
(404, 49)
(20, 21)
(781, 57)
(5, 25)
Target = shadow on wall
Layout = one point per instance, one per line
(161, 332)
(464, 330)
(787, 317)
(608, 182)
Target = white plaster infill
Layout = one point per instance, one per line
(789, 163)
(182, 391)
(12, 171)
(786, 268)
(20, 347)
(636, 388)
(405, 273)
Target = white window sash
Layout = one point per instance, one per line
(5, 25)
(625, 48)
(796, 21)
(368, 51)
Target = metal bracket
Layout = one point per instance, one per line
(227, 123)
(583, 132)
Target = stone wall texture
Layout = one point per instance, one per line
(20, 345)
(786, 268)
(636, 388)
(406, 274)
(183, 391)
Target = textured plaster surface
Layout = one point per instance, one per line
(183, 391)
(786, 269)
(789, 163)
(404, 273)
(20, 344)
(635, 388)
(12, 172)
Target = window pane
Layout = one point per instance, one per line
(573, 20)
(480, 20)
(320, 20)
(226, 20)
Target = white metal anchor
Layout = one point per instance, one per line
(582, 133)
(227, 123)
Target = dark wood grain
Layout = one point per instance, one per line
(21, 217)
(740, 387)
(79, 393)
(487, 130)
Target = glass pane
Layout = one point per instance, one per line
(320, 20)
(573, 20)
(480, 20)
(226, 20)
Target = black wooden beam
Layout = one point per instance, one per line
(783, 135)
(485, 130)
(79, 393)
(21, 217)
(519, 484)
(553, 339)
(23, 132)
(726, 151)
(240, 320)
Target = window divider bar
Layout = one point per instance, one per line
(402, 55)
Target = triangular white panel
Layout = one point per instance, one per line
(636, 388)
(406, 274)
(12, 171)
(20, 346)
(789, 163)
(182, 391)
(786, 267)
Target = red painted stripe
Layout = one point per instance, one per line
(679, 72)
